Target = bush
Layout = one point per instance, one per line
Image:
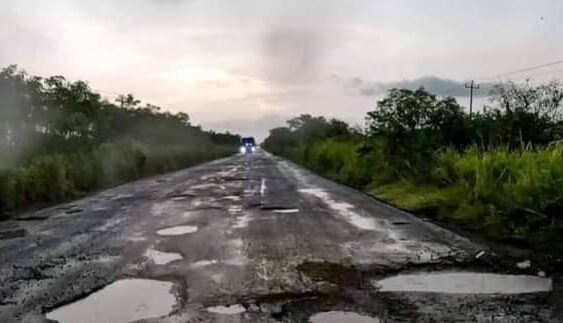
(59, 177)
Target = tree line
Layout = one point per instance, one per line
(59, 138)
(498, 172)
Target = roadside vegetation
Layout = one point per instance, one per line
(497, 173)
(60, 139)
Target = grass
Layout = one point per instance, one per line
(498, 194)
(58, 177)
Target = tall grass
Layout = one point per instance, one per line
(502, 194)
(58, 177)
(516, 192)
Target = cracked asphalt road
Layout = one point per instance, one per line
(253, 231)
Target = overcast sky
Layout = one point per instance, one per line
(248, 64)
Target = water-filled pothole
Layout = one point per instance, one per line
(227, 310)
(177, 230)
(465, 283)
(162, 258)
(275, 208)
(286, 211)
(340, 317)
(122, 301)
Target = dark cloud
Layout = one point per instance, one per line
(292, 55)
(433, 84)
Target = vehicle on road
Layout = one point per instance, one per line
(248, 145)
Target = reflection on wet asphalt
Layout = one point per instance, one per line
(253, 238)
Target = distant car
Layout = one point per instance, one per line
(248, 145)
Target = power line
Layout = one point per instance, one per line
(522, 70)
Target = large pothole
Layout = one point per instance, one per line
(122, 301)
(177, 230)
(162, 258)
(227, 310)
(464, 283)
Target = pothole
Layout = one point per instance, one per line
(227, 310)
(286, 211)
(465, 283)
(10, 234)
(162, 258)
(276, 208)
(177, 230)
(181, 196)
(339, 317)
(234, 198)
(400, 223)
(203, 263)
(122, 301)
(32, 218)
(330, 272)
(73, 211)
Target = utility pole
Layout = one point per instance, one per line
(120, 99)
(471, 85)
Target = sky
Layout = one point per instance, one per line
(248, 65)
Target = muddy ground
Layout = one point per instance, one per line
(255, 238)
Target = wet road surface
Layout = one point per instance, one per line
(251, 239)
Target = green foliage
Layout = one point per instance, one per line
(498, 173)
(59, 139)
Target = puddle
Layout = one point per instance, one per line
(286, 211)
(203, 263)
(179, 198)
(177, 230)
(185, 194)
(465, 283)
(162, 258)
(227, 310)
(340, 317)
(122, 301)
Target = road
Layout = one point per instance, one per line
(249, 239)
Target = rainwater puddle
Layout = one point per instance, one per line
(177, 230)
(227, 310)
(286, 211)
(122, 301)
(465, 283)
(203, 263)
(162, 258)
(340, 317)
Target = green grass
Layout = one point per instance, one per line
(58, 177)
(498, 193)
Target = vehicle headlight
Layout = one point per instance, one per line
(253, 149)
(242, 150)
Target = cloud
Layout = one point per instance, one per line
(291, 55)
(433, 84)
